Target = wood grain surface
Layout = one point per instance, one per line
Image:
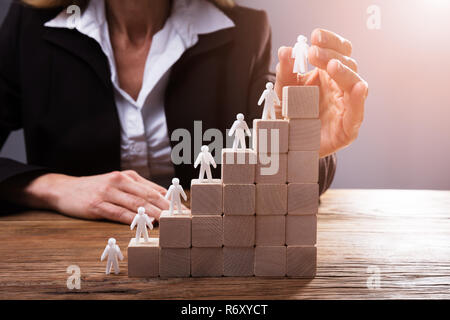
(402, 234)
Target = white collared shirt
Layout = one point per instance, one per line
(145, 144)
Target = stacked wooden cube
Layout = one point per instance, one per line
(260, 218)
(207, 228)
(270, 140)
(170, 255)
(239, 206)
(301, 108)
(143, 258)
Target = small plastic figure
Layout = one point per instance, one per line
(173, 194)
(270, 98)
(239, 129)
(142, 221)
(205, 159)
(300, 54)
(112, 251)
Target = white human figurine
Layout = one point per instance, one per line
(205, 159)
(112, 251)
(173, 195)
(270, 98)
(239, 129)
(142, 220)
(300, 54)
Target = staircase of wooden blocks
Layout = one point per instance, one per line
(260, 218)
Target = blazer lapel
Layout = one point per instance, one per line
(173, 96)
(83, 47)
(207, 42)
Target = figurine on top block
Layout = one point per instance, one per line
(270, 99)
(174, 195)
(300, 54)
(141, 220)
(239, 129)
(205, 159)
(112, 251)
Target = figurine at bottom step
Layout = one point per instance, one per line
(141, 220)
(112, 251)
(300, 54)
(270, 99)
(239, 129)
(174, 196)
(205, 159)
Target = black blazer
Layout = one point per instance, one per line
(55, 84)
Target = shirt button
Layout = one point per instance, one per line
(141, 148)
(135, 126)
(137, 148)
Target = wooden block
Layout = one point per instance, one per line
(271, 199)
(238, 262)
(206, 197)
(270, 261)
(304, 134)
(238, 166)
(207, 262)
(239, 199)
(269, 163)
(301, 261)
(302, 198)
(239, 231)
(300, 102)
(143, 258)
(270, 231)
(301, 230)
(174, 230)
(270, 136)
(174, 263)
(303, 167)
(207, 231)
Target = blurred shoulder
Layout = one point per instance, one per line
(252, 29)
(250, 19)
(28, 17)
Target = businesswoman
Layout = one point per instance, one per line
(99, 94)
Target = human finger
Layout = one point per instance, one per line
(131, 202)
(114, 212)
(145, 192)
(354, 111)
(328, 39)
(319, 57)
(345, 77)
(137, 177)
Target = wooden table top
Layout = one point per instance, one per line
(401, 237)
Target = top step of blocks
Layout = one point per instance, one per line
(300, 102)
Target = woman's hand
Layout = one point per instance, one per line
(342, 91)
(112, 196)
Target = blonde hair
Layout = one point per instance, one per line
(82, 3)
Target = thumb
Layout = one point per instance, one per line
(285, 65)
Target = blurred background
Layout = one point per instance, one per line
(403, 51)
